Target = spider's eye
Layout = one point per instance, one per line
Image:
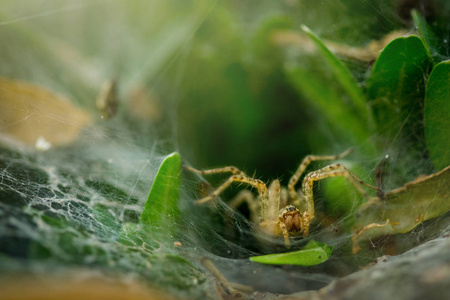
(290, 208)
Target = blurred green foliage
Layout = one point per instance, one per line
(236, 93)
(245, 88)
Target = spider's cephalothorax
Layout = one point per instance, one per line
(290, 221)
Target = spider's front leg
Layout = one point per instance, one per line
(305, 162)
(264, 208)
(285, 233)
(273, 222)
(273, 202)
(238, 176)
(253, 204)
(333, 170)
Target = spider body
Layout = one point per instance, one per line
(283, 211)
(289, 220)
(292, 219)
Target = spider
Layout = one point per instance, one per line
(298, 212)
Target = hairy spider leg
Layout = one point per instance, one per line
(270, 214)
(238, 176)
(253, 204)
(356, 247)
(306, 161)
(232, 170)
(232, 288)
(287, 242)
(333, 170)
(273, 204)
(284, 197)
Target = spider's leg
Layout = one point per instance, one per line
(253, 204)
(262, 189)
(327, 172)
(272, 202)
(355, 237)
(238, 176)
(266, 207)
(287, 243)
(234, 289)
(284, 198)
(231, 169)
(306, 161)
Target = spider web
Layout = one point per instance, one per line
(69, 207)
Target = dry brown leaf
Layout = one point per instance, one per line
(368, 53)
(404, 208)
(68, 288)
(37, 116)
(144, 105)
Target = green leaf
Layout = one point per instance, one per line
(437, 115)
(135, 235)
(343, 76)
(312, 254)
(396, 87)
(432, 43)
(161, 208)
(341, 197)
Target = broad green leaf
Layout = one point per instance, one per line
(437, 115)
(340, 196)
(405, 207)
(161, 208)
(396, 87)
(343, 76)
(312, 254)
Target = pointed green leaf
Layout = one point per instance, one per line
(432, 43)
(343, 76)
(161, 208)
(437, 115)
(396, 87)
(330, 105)
(313, 253)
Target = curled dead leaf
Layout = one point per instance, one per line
(144, 105)
(403, 208)
(368, 53)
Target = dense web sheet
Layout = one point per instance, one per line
(53, 216)
(70, 207)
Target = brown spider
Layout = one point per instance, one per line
(289, 221)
